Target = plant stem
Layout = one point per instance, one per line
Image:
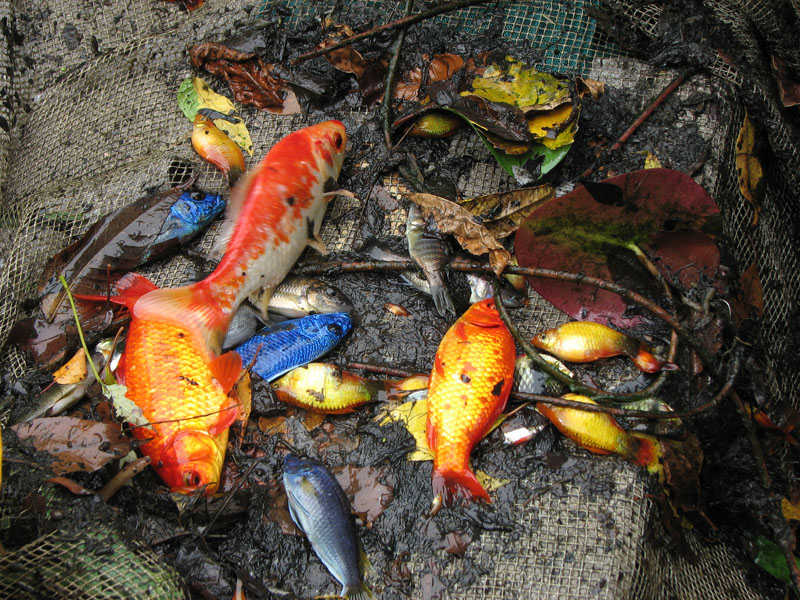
(400, 23)
(388, 92)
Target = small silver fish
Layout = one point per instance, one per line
(58, 397)
(319, 507)
(481, 287)
(297, 297)
(244, 324)
(428, 251)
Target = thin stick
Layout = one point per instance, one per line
(228, 499)
(400, 23)
(382, 370)
(388, 92)
(124, 476)
(673, 85)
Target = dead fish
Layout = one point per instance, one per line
(319, 507)
(428, 251)
(244, 324)
(298, 297)
(481, 288)
(58, 397)
(436, 124)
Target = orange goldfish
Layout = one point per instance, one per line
(216, 147)
(469, 385)
(601, 433)
(171, 364)
(585, 341)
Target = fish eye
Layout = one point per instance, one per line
(335, 329)
(192, 479)
(337, 140)
(330, 291)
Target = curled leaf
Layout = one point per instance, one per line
(413, 415)
(748, 166)
(74, 371)
(473, 236)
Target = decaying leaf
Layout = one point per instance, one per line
(413, 415)
(651, 161)
(74, 371)
(589, 87)
(441, 67)
(473, 237)
(496, 211)
(748, 167)
(363, 485)
(489, 483)
(791, 510)
(749, 296)
(519, 85)
(194, 95)
(789, 89)
(75, 444)
(125, 408)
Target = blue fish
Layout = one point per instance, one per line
(283, 346)
(190, 213)
(319, 507)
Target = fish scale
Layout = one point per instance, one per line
(469, 385)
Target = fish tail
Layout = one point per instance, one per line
(648, 453)
(359, 592)
(461, 485)
(441, 299)
(192, 306)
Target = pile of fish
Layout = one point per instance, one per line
(186, 348)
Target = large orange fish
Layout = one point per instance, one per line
(469, 385)
(171, 364)
(585, 341)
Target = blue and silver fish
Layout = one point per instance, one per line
(190, 214)
(283, 346)
(319, 507)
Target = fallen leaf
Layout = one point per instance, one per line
(554, 128)
(413, 415)
(312, 420)
(74, 371)
(594, 89)
(272, 425)
(195, 95)
(748, 167)
(789, 88)
(592, 231)
(749, 297)
(651, 161)
(441, 67)
(125, 409)
(514, 206)
(769, 556)
(791, 510)
(75, 444)
(489, 483)
(369, 498)
(473, 237)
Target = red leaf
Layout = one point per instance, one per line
(660, 211)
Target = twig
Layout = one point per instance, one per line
(641, 414)
(319, 268)
(382, 370)
(388, 92)
(400, 23)
(673, 85)
(228, 499)
(123, 477)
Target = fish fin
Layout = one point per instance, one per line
(457, 485)
(239, 193)
(648, 453)
(226, 369)
(357, 592)
(227, 417)
(234, 175)
(130, 288)
(333, 193)
(260, 299)
(191, 307)
(442, 300)
(314, 239)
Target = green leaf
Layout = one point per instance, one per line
(770, 557)
(188, 100)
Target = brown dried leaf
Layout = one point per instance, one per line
(497, 207)
(473, 237)
(440, 68)
(788, 88)
(589, 87)
(748, 166)
(246, 73)
(76, 444)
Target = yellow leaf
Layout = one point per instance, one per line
(414, 416)
(790, 510)
(565, 137)
(748, 166)
(489, 483)
(548, 124)
(651, 161)
(235, 127)
(74, 371)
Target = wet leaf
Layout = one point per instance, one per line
(749, 298)
(232, 123)
(788, 87)
(516, 84)
(441, 67)
(312, 420)
(413, 415)
(473, 237)
(651, 161)
(507, 208)
(791, 510)
(369, 497)
(663, 213)
(748, 166)
(125, 409)
(73, 487)
(489, 483)
(589, 87)
(273, 425)
(555, 128)
(74, 371)
(75, 444)
(770, 557)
